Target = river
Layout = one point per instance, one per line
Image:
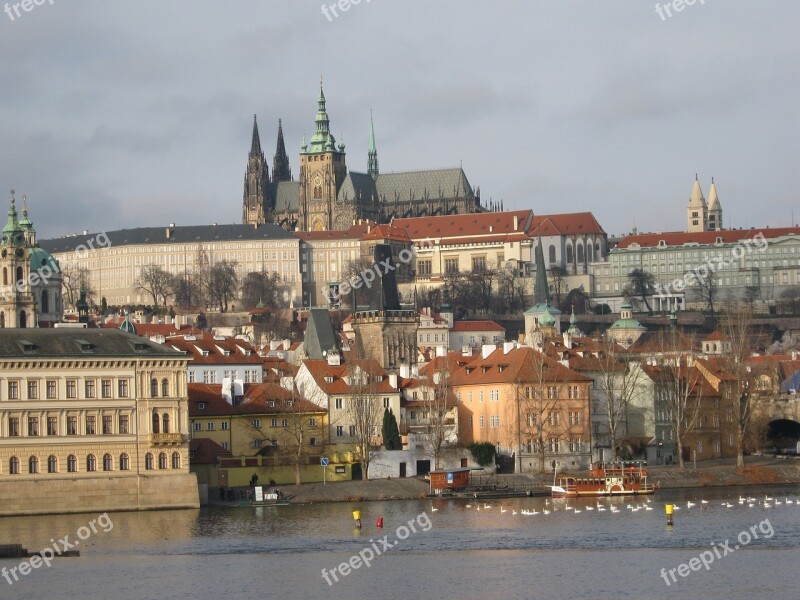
(448, 550)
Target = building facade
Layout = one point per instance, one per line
(92, 420)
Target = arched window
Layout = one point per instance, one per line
(176, 460)
(108, 462)
(20, 277)
(590, 251)
(581, 257)
(2, 320)
(13, 466)
(45, 302)
(569, 254)
(162, 461)
(91, 463)
(597, 250)
(148, 461)
(5, 275)
(23, 319)
(52, 464)
(552, 254)
(165, 421)
(124, 462)
(72, 464)
(164, 389)
(154, 387)
(33, 465)
(155, 422)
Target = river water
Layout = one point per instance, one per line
(449, 550)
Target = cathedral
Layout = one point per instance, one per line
(328, 197)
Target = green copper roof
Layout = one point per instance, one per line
(547, 319)
(628, 324)
(41, 258)
(127, 325)
(322, 140)
(25, 223)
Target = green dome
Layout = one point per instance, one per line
(547, 319)
(41, 259)
(127, 326)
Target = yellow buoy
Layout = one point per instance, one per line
(669, 509)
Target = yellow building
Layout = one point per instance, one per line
(269, 431)
(92, 420)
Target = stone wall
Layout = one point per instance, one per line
(98, 494)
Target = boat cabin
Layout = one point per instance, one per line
(449, 479)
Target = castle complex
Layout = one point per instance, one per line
(329, 197)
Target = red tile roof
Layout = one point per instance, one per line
(208, 350)
(679, 238)
(256, 400)
(521, 364)
(469, 225)
(354, 232)
(320, 369)
(565, 224)
(387, 232)
(477, 326)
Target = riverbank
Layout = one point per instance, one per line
(758, 471)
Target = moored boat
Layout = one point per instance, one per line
(606, 479)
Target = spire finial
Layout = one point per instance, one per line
(24, 205)
(13, 200)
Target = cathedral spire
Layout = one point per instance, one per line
(255, 144)
(281, 169)
(322, 139)
(372, 151)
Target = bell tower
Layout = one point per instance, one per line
(322, 171)
(17, 301)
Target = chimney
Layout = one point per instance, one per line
(393, 381)
(508, 346)
(487, 349)
(516, 222)
(466, 351)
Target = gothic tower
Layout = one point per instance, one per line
(322, 171)
(698, 210)
(281, 169)
(17, 301)
(372, 152)
(385, 331)
(255, 210)
(714, 209)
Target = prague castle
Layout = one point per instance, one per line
(329, 197)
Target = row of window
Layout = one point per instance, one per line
(339, 404)
(91, 463)
(90, 425)
(33, 387)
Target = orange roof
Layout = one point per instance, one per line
(387, 232)
(256, 400)
(477, 326)
(336, 384)
(518, 365)
(679, 238)
(563, 224)
(716, 336)
(473, 224)
(206, 451)
(207, 349)
(355, 232)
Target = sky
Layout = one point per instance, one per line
(139, 113)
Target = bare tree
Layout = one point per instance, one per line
(681, 387)
(617, 382)
(557, 274)
(364, 411)
(73, 280)
(221, 284)
(707, 289)
(156, 282)
(187, 290)
(440, 422)
(752, 294)
(262, 287)
(741, 401)
(641, 284)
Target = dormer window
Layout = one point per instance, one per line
(201, 405)
(328, 379)
(271, 403)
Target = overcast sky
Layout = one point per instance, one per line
(138, 113)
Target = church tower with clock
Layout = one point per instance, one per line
(17, 302)
(322, 171)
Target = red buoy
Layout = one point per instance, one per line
(379, 522)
